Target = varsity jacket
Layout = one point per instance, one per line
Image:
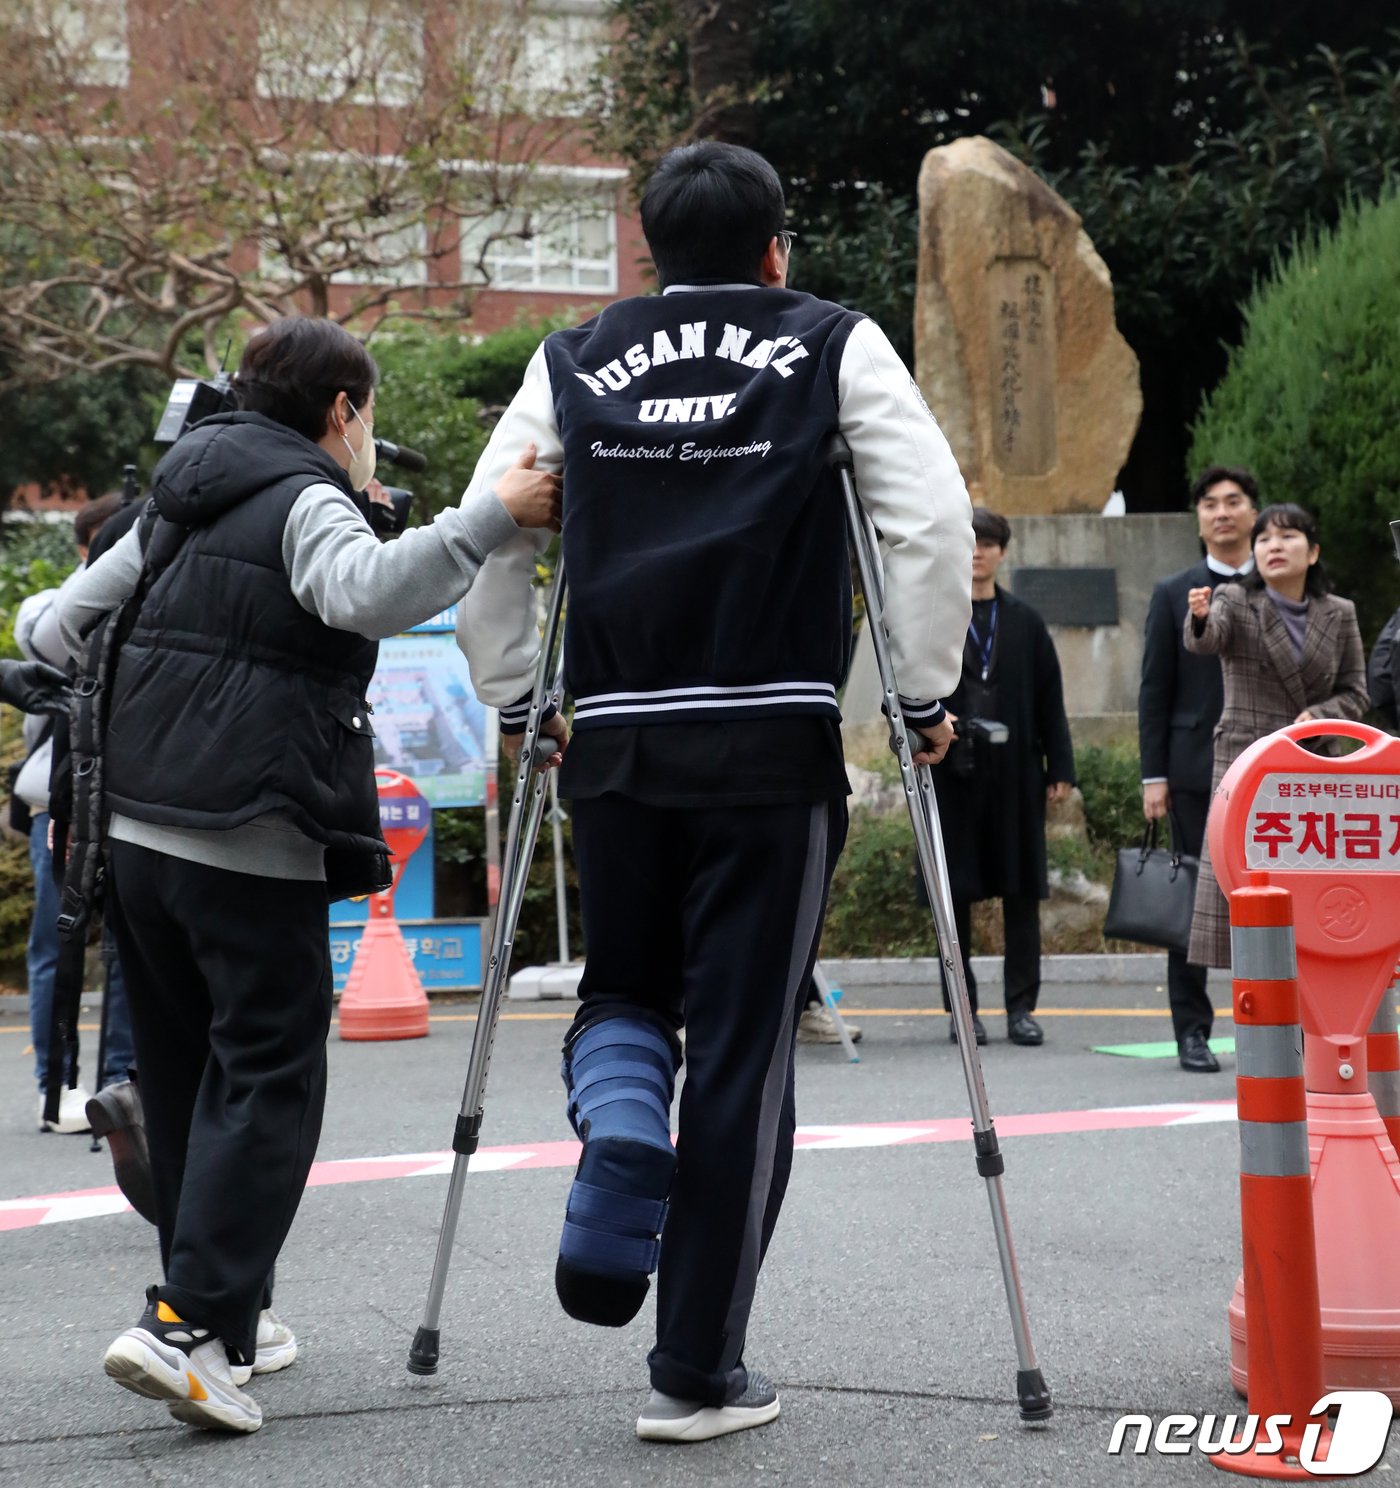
(704, 535)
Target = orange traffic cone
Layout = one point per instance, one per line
(383, 998)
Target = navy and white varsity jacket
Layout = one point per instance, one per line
(704, 535)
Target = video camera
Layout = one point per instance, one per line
(193, 398)
(977, 744)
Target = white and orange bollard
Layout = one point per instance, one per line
(1282, 1307)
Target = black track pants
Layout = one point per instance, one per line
(711, 916)
(229, 978)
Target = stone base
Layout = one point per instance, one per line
(545, 983)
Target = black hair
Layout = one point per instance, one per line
(293, 369)
(990, 526)
(709, 212)
(87, 523)
(1297, 519)
(1212, 475)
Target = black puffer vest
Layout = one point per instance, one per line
(230, 699)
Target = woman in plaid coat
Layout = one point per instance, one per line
(1290, 651)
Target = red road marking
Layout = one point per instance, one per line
(90, 1203)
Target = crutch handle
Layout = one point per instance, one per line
(838, 452)
(545, 748)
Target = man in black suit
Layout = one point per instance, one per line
(1178, 707)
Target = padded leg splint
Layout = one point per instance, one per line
(620, 1075)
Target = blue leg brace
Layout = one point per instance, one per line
(620, 1076)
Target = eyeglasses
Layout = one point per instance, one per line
(786, 239)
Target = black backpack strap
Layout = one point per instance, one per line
(84, 876)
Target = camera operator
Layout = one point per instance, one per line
(239, 772)
(1012, 755)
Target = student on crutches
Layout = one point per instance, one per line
(705, 543)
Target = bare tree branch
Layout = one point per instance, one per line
(320, 155)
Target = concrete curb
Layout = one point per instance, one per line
(550, 983)
(907, 971)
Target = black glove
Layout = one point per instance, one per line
(35, 687)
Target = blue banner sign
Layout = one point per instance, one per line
(446, 954)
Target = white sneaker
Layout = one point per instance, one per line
(664, 1418)
(165, 1358)
(277, 1348)
(817, 1026)
(72, 1113)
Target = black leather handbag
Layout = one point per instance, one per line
(1154, 892)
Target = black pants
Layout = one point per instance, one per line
(229, 978)
(710, 917)
(1186, 984)
(1020, 918)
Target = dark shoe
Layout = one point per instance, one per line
(1023, 1029)
(979, 1033)
(115, 1113)
(1194, 1054)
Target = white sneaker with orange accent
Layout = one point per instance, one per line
(166, 1358)
(277, 1348)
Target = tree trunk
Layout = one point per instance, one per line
(720, 48)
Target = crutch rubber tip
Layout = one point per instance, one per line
(1033, 1396)
(423, 1356)
(606, 1301)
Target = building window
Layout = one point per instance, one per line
(569, 243)
(538, 57)
(561, 52)
(354, 51)
(88, 37)
(397, 255)
(383, 251)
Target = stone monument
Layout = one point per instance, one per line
(1014, 340)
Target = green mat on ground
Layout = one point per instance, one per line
(1164, 1050)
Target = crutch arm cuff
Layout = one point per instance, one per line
(517, 715)
(921, 712)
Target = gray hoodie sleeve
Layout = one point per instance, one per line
(339, 570)
(348, 579)
(100, 587)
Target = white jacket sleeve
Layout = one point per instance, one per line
(912, 488)
(496, 625)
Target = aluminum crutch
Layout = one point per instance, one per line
(1032, 1395)
(823, 987)
(526, 812)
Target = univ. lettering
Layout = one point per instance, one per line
(709, 406)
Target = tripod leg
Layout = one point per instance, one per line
(1032, 1395)
(829, 1003)
(526, 813)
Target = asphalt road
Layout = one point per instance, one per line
(881, 1312)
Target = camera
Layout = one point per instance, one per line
(976, 746)
(192, 399)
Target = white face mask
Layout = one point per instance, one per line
(361, 460)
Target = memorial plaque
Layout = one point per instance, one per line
(1021, 298)
(1014, 336)
(1069, 596)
